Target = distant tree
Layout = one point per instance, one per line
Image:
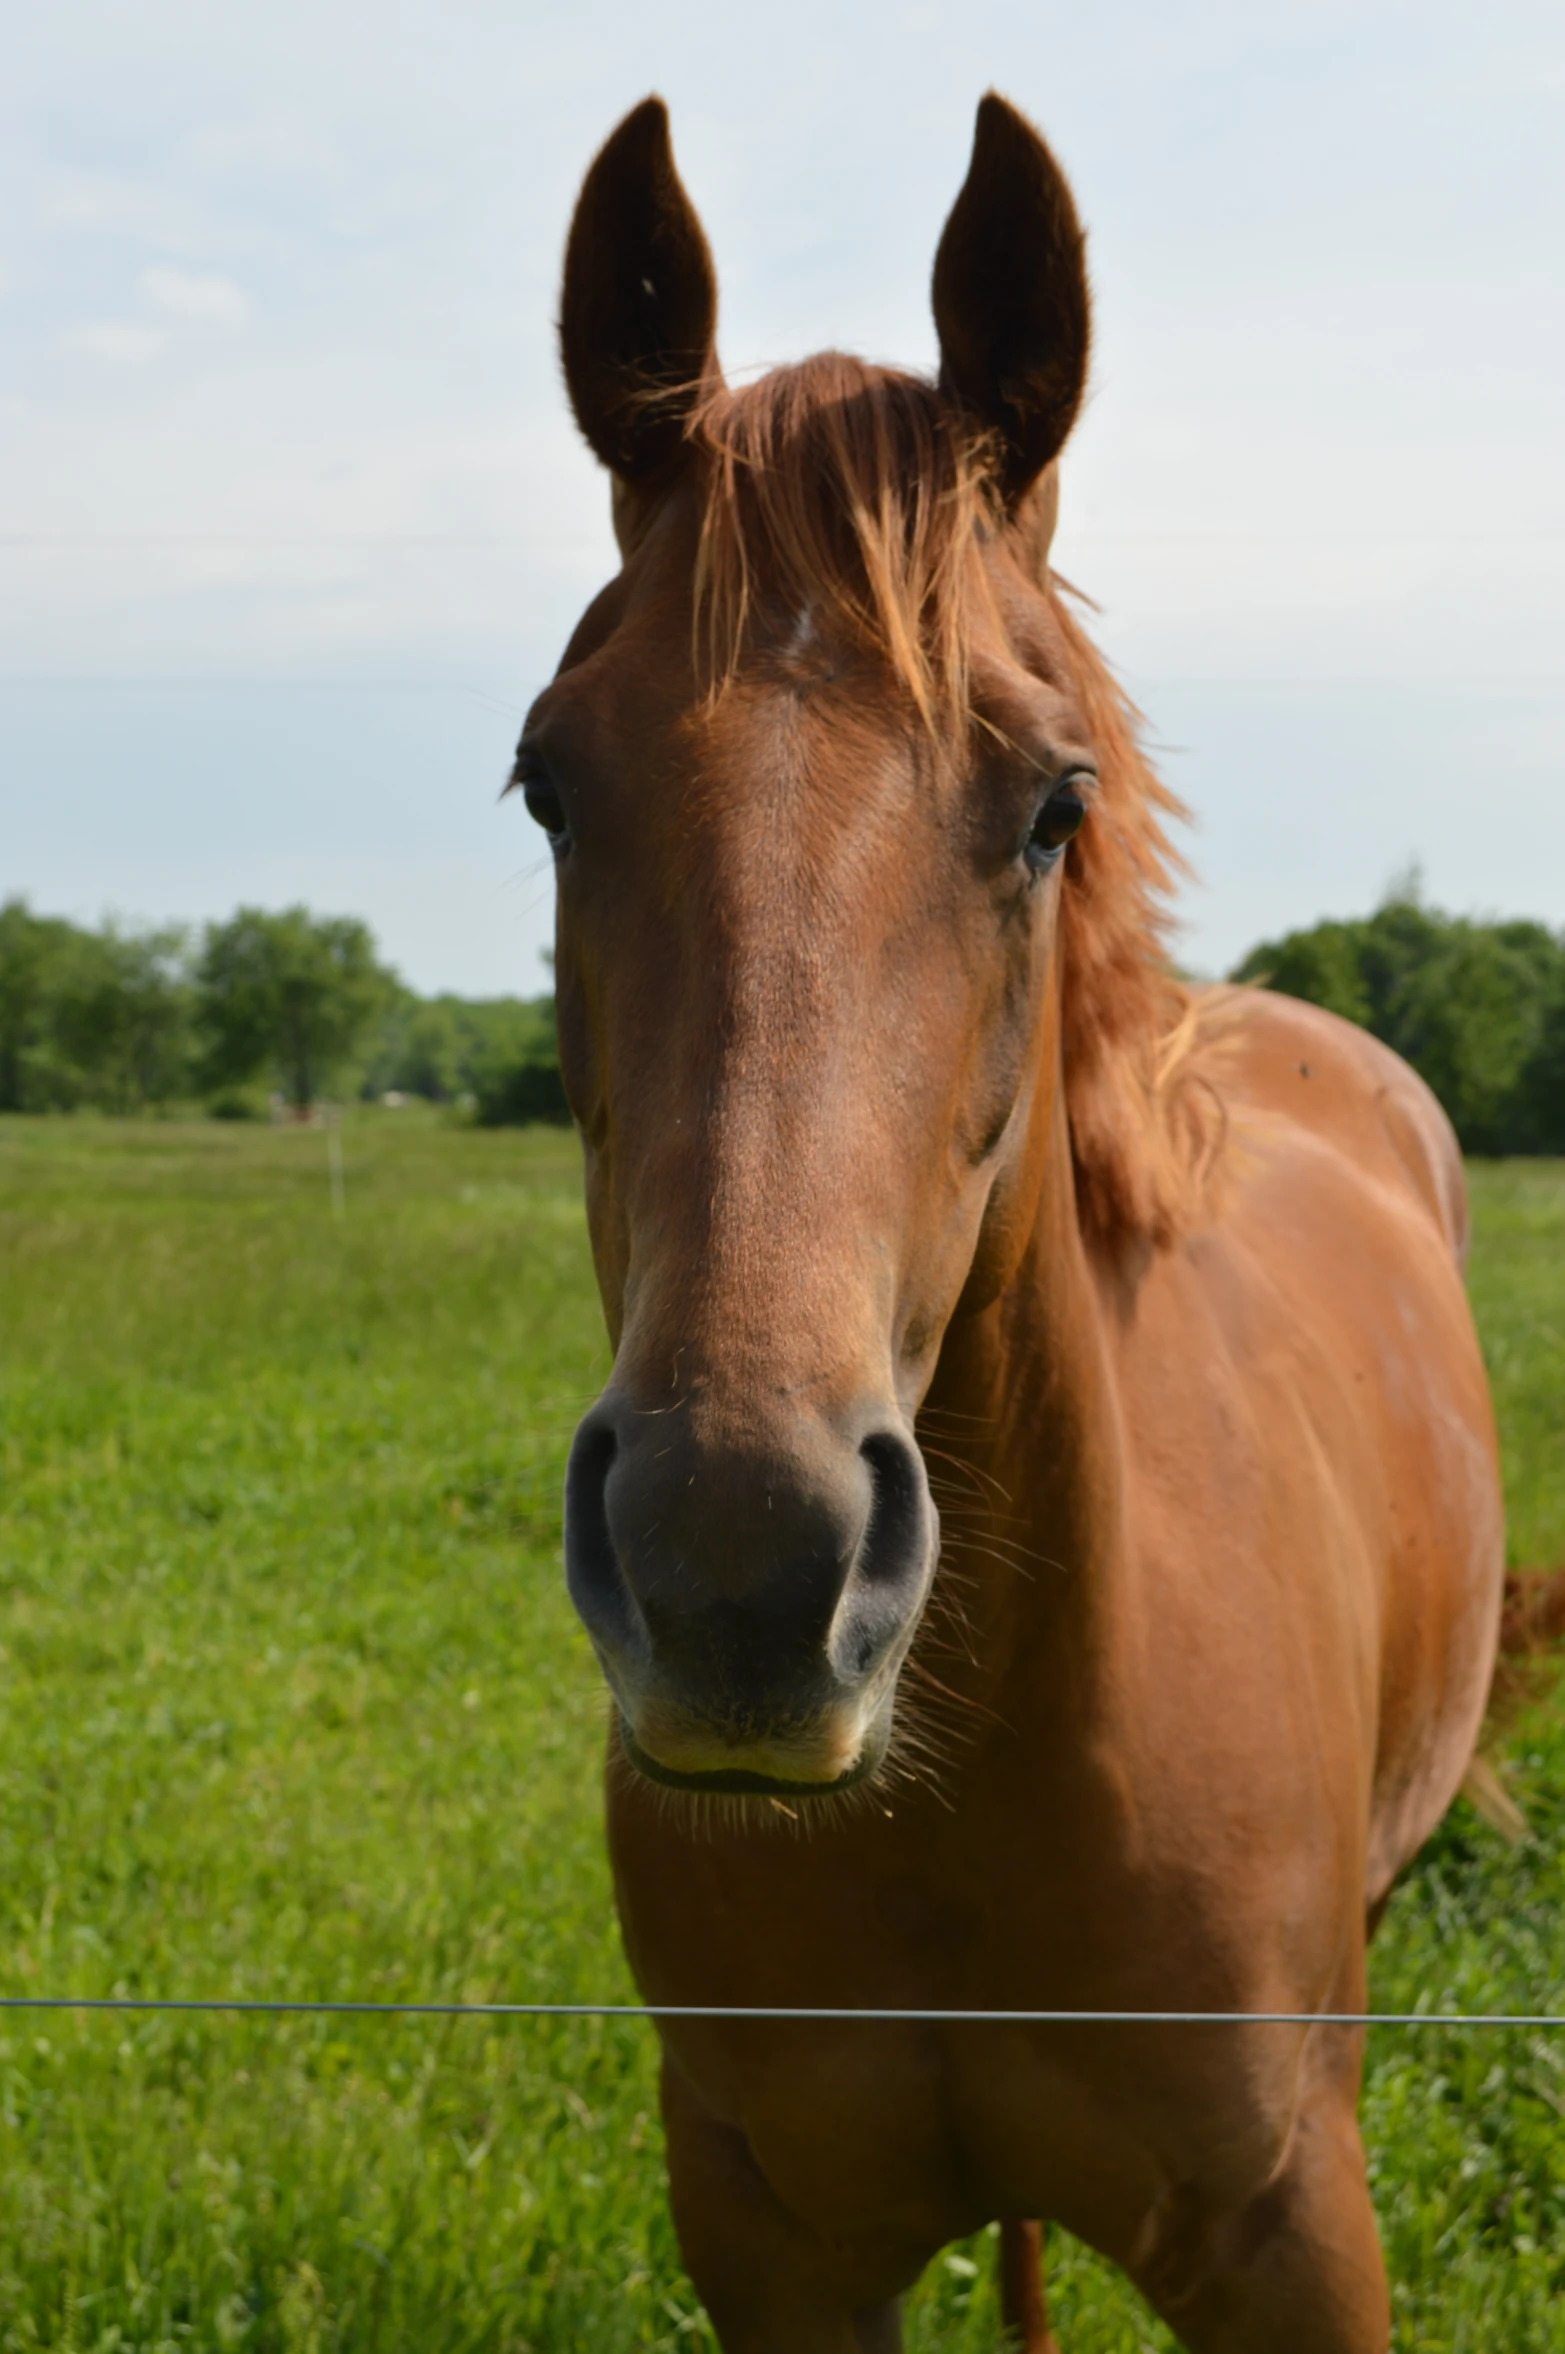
(290, 995)
(431, 1062)
(21, 977)
(521, 1093)
(1323, 965)
(33, 952)
(1541, 1088)
(1468, 1016)
(420, 1048)
(119, 1018)
(516, 1072)
(445, 1047)
(122, 1016)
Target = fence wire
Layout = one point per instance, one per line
(843, 2016)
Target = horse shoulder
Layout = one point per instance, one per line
(1346, 1387)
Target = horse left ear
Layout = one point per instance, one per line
(638, 313)
(1010, 297)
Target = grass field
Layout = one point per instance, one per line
(294, 1704)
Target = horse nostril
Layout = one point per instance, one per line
(897, 1525)
(884, 1588)
(593, 1574)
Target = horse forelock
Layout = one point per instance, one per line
(857, 494)
(860, 500)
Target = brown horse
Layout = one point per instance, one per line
(913, 1170)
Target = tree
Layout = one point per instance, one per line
(1541, 1089)
(33, 950)
(121, 1015)
(1466, 1017)
(499, 1051)
(516, 1066)
(293, 995)
(1323, 966)
(419, 1048)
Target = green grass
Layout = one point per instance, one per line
(294, 1704)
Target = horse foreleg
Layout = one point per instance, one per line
(1298, 2270)
(1022, 2305)
(769, 2283)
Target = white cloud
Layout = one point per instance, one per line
(117, 339)
(87, 202)
(183, 294)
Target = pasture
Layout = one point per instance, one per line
(294, 1705)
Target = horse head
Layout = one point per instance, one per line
(811, 769)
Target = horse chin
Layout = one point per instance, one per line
(780, 1769)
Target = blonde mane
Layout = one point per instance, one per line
(867, 493)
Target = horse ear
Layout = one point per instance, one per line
(1010, 296)
(639, 308)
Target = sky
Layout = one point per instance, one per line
(294, 523)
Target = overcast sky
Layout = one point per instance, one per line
(293, 523)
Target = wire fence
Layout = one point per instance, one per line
(821, 2013)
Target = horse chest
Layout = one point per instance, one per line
(919, 2133)
(885, 2137)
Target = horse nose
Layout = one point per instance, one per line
(886, 1579)
(593, 1577)
(746, 1599)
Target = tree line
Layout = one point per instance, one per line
(289, 1005)
(301, 1006)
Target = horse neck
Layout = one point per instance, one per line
(1022, 1432)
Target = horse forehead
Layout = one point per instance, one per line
(826, 761)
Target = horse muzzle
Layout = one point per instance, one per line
(750, 1602)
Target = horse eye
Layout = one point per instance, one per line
(1058, 819)
(544, 805)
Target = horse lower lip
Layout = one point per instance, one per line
(736, 1781)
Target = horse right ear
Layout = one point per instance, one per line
(1010, 297)
(639, 310)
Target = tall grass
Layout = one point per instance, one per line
(294, 1705)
